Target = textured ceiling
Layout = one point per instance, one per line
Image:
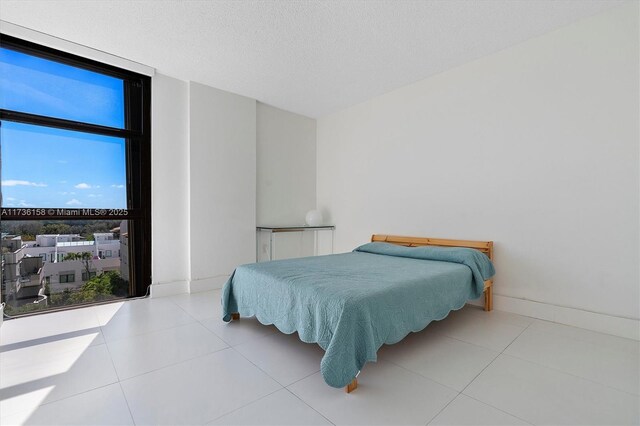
(309, 57)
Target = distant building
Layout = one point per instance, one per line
(54, 247)
(28, 267)
(20, 270)
(50, 240)
(72, 274)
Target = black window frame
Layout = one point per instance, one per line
(137, 136)
(66, 278)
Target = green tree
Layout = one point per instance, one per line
(56, 228)
(85, 257)
(103, 287)
(106, 286)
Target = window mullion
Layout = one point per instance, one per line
(59, 123)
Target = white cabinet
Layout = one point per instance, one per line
(285, 242)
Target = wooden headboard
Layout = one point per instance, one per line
(484, 246)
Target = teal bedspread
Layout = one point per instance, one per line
(352, 303)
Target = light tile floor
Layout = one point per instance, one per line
(173, 361)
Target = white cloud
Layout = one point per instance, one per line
(97, 186)
(117, 186)
(83, 186)
(13, 202)
(73, 202)
(21, 183)
(63, 181)
(95, 195)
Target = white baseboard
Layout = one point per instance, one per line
(207, 284)
(169, 289)
(617, 326)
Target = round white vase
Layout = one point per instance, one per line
(313, 218)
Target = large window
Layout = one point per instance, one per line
(76, 179)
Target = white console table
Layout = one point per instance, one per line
(266, 237)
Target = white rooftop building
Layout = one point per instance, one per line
(53, 248)
(50, 240)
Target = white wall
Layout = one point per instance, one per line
(222, 184)
(170, 184)
(286, 169)
(286, 178)
(534, 147)
(208, 145)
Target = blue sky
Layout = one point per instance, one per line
(45, 167)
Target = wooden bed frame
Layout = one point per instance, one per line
(485, 247)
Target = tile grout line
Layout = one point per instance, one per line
(493, 360)
(305, 377)
(83, 351)
(63, 399)
(124, 395)
(586, 330)
(170, 364)
(195, 320)
(572, 375)
(487, 366)
(146, 332)
(477, 345)
(516, 338)
(262, 397)
(164, 366)
(255, 365)
(430, 379)
(126, 401)
(305, 403)
(160, 330)
(476, 376)
(206, 422)
(113, 364)
(272, 378)
(84, 391)
(201, 356)
(557, 369)
(173, 364)
(499, 409)
(408, 370)
(462, 341)
(238, 344)
(442, 409)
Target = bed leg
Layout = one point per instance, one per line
(488, 299)
(235, 316)
(351, 386)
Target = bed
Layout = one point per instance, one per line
(352, 303)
